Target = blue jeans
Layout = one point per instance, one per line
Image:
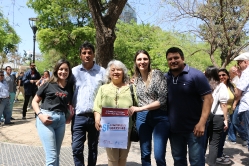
(196, 149)
(237, 119)
(231, 130)
(245, 116)
(80, 125)
(5, 109)
(154, 123)
(52, 136)
(12, 98)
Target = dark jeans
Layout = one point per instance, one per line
(237, 120)
(222, 141)
(80, 125)
(214, 133)
(196, 146)
(245, 116)
(153, 123)
(25, 104)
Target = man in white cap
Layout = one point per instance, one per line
(243, 90)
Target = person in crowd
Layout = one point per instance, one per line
(152, 119)
(87, 77)
(11, 80)
(222, 158)
(43, 79)
(234, 73)
(29, 81)
(55, 95)
(115, 94)
(19, 86)
(189, 104)
(243, 92)
(237, 124)
(219, 122)
(4, 100)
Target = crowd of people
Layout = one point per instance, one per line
(194, 110)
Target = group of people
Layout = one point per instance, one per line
(189, 108)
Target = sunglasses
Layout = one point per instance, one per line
(222, 75)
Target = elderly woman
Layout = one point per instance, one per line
(116, 94)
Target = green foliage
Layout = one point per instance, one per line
(133, 37)
(62, 27)
(8, 39)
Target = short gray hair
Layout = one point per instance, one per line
(118, 64)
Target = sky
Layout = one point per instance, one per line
(18, 14)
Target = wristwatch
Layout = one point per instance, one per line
(39, 113)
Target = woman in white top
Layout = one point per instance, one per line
(219, 122)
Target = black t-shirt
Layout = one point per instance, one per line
(54, 97)
(20, 78)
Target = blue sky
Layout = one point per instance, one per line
(18, 15)
(148, 11)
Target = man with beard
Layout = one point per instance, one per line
(29, 81)
(189, 104)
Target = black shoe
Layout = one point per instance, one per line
(12, 118)
(10, 123)
(23, 117)
(244, 143)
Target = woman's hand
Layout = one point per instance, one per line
(134, 109)
(97, 125)
(46, 119)
(225, 125)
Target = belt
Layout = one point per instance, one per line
(87, 114)
(3, 98)
(219, 115)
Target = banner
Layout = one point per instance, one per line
(115, 126)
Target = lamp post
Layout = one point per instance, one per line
(34, 29)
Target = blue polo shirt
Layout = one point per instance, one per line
(185, 93)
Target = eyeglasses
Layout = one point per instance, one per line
(222, 75)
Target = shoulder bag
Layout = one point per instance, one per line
(134, 137)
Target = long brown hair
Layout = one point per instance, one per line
(136, 70)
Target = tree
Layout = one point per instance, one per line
(9, 40)
(133, 37)
(63, 26)
(105, 15)
(223, 25)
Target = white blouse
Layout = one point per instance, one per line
(220, 94)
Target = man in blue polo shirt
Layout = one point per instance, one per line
(189, 104)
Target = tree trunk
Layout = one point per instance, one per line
(105, 25)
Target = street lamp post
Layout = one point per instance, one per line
(34, 29)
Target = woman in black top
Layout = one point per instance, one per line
(50, 121)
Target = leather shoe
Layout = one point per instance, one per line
(12, 118)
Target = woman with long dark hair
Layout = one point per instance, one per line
(219, 122)
(152, 119)
(55, 95)
(225, 78)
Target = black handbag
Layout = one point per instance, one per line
(134, 137)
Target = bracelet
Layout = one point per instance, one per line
(39, 113)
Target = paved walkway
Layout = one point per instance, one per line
(20, 146)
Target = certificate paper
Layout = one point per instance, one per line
(114, 131)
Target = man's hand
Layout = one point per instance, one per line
(199, 129)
